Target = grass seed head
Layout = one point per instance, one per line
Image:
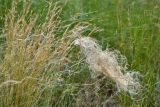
(106, 62)
(33, 54)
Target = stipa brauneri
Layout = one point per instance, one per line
(107, 63)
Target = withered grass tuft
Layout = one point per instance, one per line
(33, 53)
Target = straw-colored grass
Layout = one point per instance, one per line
(35, 72)
(33, 53)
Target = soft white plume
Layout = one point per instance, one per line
(107, 62)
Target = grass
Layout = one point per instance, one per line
(131, 26)
(34, 53)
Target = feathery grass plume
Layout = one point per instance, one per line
(107, 63)
(34, 51)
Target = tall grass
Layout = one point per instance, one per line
(34, 52)
(34, 71)
(131, 26)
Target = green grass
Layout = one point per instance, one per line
(131, 26)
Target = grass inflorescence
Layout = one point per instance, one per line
(33, 54)
(40, 67)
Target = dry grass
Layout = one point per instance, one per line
(34, 70)
(33, 53)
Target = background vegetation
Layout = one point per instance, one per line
(131, 26)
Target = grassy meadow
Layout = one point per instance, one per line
(40, 66)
